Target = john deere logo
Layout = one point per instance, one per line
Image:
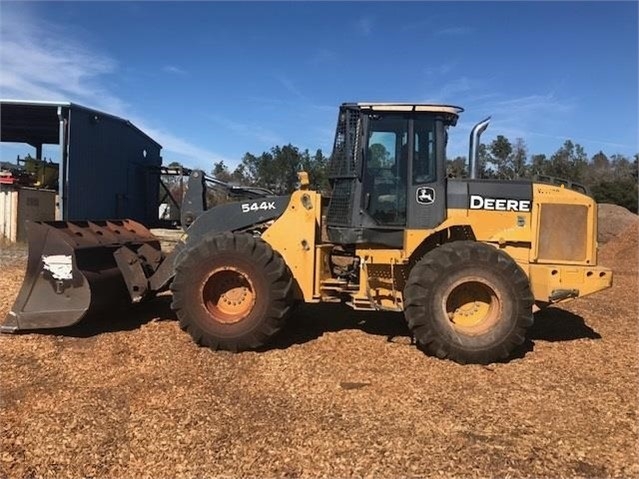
(425, 195)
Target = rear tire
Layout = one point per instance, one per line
(468, 302)
(232, 292)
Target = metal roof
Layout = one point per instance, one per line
(34, 103)
(35, 122)
(435, 108)
(29, 123)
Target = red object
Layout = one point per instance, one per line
(7, 180)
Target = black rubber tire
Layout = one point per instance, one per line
(264, 276)
(468, 269)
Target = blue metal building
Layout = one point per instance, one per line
(108, 167)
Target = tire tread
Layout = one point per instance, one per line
(264, 258)
(421, 286)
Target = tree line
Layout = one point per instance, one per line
(610, 179)
(277, 169)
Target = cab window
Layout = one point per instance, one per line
(424, 167)
(386, 167)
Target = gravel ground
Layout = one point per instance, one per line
(339, 394)
(12, 254)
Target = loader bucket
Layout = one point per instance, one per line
(72, 270)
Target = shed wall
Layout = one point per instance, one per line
(108, 175)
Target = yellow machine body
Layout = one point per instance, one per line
(554, 244)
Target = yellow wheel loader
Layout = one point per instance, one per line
(465, 260)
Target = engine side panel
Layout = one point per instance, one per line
(490, 195)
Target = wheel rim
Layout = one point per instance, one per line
(228, 295)
(472, 305)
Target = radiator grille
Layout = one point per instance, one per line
(563, 231)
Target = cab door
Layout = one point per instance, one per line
(426, 198)
(384, 179)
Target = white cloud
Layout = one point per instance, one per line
(38, 63)
(519, 116)
(179, 146)
(259, 133)
(296, 97)
(454, 31)
(586, 141)
(174, 69)
(419, 25)
(42, 61)
(288, 84)
(533, 104)
(365, 25)
(452, 90)
(439, 70)
(514, 117)
(322, 57)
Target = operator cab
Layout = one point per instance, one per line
(388, 171)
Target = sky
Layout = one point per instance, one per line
(211, 81)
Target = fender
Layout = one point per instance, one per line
(237, 216)
(227, 217)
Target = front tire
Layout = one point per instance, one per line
(232, 292)
(468, 302)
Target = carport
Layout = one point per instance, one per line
(108, 166)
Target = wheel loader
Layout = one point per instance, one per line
(466, 260)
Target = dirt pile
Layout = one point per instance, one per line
(618, 238)
(613, 221)
(622, 249)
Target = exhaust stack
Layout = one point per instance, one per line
(475, 133)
